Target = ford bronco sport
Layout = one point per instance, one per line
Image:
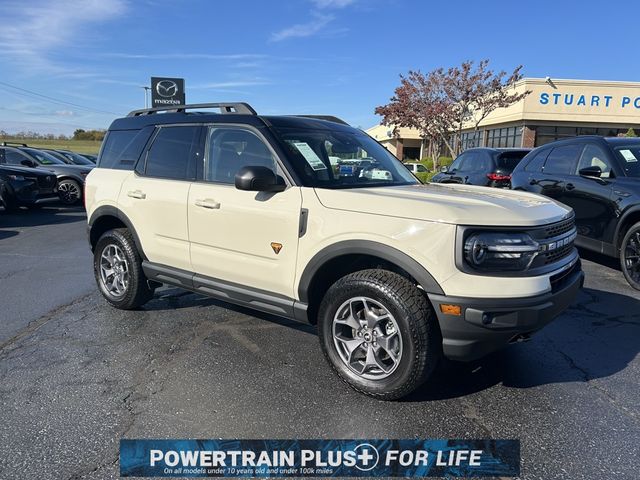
(252, 210)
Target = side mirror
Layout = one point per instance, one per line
(444, 168)
(259, 179)
(28, 163)
(593, 172)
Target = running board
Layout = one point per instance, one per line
(228, 292)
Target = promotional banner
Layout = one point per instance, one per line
(167, 91)
(319, 458)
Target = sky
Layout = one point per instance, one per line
(71, 64)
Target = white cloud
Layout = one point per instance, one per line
(64, 113)
(300, 30)
(33, 30)
(332, 3)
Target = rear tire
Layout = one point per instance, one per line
(117, 267)
(379, 333)
(630, 256)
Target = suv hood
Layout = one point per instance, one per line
(448, 203)
(67, 169)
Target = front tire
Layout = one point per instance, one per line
(117, 267)
(379, 333)
(630, 256)
(69, 191)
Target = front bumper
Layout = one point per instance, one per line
(488, 324)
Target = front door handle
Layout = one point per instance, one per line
(137, 194)
(207, 203)
(569, 186)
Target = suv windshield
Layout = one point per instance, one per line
(43, 158)
(342, 159)
(629, 156)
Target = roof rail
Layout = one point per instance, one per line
(237, 107)
(9, 144)
(329, 118)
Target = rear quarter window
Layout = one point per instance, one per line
(536, 162)
(509, 160)
(122, 148)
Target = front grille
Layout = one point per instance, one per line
(559, 228)
(556, 242)
(559, 254)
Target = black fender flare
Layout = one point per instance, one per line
(111, 211)
(617, 237)
(366, 247)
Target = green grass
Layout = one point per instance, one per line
(80, 146)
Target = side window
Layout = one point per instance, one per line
(230, 149)
(172, 152)
(470, 162)
(536, 163)
(594, 156)
(562, 160)
(14, 157)
(421, 168)
(485, 163)
(457, 163)
(122, 148)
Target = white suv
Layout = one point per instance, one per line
(252, 210)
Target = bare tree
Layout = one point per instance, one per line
(441, 103)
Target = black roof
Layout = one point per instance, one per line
(500, 149)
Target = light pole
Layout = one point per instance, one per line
(146, 89)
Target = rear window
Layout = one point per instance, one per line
(509, 160)
(122, 148)
(536, 163)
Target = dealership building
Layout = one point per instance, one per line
(554, 109)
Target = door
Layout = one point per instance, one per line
(558, 168)
(237, 236)
(590, 198)
(155, 196)
(459, 170)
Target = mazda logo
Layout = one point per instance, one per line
(167, 88)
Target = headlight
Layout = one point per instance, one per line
(16, 177)
(495, 251)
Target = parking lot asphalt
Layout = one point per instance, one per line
(77, 375)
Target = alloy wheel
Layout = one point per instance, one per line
(367, 338)
(114, 270)
(69, 192)
(631, 257)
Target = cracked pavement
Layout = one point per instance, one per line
(77, 375)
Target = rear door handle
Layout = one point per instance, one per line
(570, 186)
(207, 203)
(136, 194)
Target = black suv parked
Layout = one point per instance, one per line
(70, 177)
(27, 187)
(70, 158)
(600, 179)
(489, 167)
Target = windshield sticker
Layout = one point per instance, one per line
(628, 156)
(347, 170)
(310, 156)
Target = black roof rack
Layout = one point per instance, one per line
(329, 118)
(238, 107)
(9, 144)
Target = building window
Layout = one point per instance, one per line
(470, 140)
(507, 137)
(546, 135)
(411, 153)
